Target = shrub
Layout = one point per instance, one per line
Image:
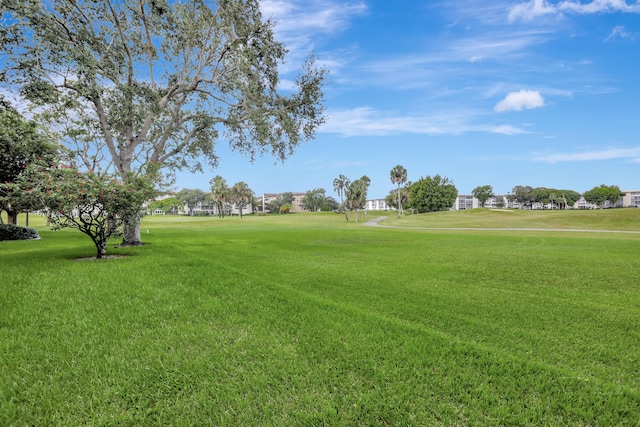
(14, 232)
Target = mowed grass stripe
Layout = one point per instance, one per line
(274, 323)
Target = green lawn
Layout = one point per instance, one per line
(308, 320)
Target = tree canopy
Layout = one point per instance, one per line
(191, 197)
(22, 143)
(356, 194)
(313, 200)
(241, 195)
(129, 84)
(431, 194)
(522, 194)
(604, 193)
(282, 203)
(483, 193)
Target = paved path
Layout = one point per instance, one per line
(375, 223)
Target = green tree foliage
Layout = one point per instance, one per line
(135, 83)
(523, 195)
(313, 200)
(356, 194)
(483, 193)
(398, 177)
(554, 198)
(241, 195)
(392, 198)
(330, 204)
(432, 194)
(170, 205)
(599, 196)
(282, 203)
(340, 186)
(22, 142)
(191, 197)
(220, 194)
(94, 204)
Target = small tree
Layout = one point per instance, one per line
(282, 203)
(399, 177)
(314, 199)
(483, 193)
(330, 204)
(94, 204)
(241, 195)
(433, 194)
(220, 194)
(356, 194)
(340, 185)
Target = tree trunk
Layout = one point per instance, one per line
(12, 216)
(101, 246)
(131, 232)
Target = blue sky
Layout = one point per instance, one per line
(502, 92)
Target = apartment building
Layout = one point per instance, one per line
(377, 205)
(464, 201)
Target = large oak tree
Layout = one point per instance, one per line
(134, 83)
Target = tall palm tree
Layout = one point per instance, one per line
(219, 193)
(340, 185)
(399, 177)
(241, 195)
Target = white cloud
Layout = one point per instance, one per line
(302, 26)
(507, 130)
(632, 154)
(532, 9)
(522, 100)
(365, 121)
(298, 19)
(620, 32)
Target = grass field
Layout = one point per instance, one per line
(308, 320)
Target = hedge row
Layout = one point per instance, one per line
(14, 232)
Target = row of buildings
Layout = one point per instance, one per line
(631, 199)
(463, 202)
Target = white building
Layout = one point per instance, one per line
(465, 201)
(377, 205)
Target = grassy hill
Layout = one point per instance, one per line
(606, 219)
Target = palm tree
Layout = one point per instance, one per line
(399, 177)
(241, 195)
(340, 185)
(219, 193)
(357, 194)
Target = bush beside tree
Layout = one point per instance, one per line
(14, 232)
